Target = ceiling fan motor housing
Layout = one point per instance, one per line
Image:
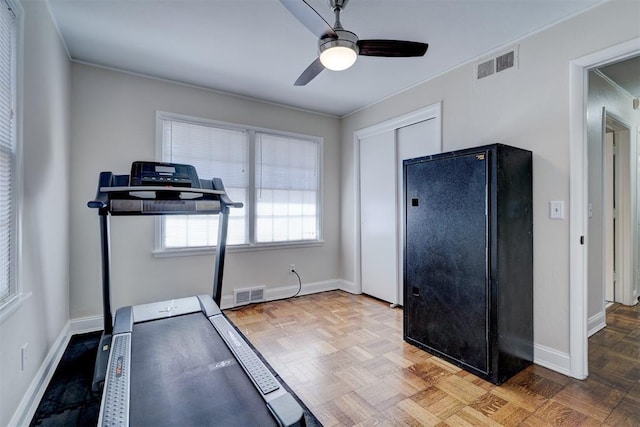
(345, 39)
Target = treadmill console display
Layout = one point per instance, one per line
(163, 174)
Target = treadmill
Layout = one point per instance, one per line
(178, 362)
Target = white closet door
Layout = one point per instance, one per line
(382, 149)
(416, 140)
(378, 216)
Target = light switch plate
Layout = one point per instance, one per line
(556, 209)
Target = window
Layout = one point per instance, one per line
(8, 157)
(275, 175)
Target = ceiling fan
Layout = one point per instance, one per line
(339, 48)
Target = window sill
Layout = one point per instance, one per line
(210, 250)
(12, 305)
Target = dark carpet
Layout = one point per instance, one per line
(69, 401)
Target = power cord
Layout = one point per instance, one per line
(299, 283)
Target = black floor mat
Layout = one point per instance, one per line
(68, 400)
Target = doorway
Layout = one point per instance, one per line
(579, 202)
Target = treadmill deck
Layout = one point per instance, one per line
(190, 370)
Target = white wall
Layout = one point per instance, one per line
(528, 108)
(113, 125)
(602, 94)
(44, 272)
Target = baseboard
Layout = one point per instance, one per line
(31, 399)
(348, 287)
(552, 359)
(596, 323)
(86, 324)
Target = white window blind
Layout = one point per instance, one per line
(8, 228)
(275, 176)
(214, 152)
(286, 189)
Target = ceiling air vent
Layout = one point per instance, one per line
(497, 64)
(248, 296)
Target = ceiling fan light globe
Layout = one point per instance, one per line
(338, 58)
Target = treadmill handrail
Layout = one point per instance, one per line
(115, 190)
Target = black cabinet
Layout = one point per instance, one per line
(468, 260)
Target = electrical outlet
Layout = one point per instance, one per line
(23, 356)
(292, 268)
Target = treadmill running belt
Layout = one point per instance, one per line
(182, 373)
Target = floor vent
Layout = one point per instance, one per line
(248, 296)
(503, 61)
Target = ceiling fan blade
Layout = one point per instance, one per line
(309, 17)
(310, 73)
(392, 48)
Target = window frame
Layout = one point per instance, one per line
(160, 251)
(12, 302)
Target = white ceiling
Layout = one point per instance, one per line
(256, 48)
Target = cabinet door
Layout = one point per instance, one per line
(446, 292)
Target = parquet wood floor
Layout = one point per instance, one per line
(345, 357)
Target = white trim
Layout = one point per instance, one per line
(433, 111)
(12, 305)
(83, 325)
(596, 322)
(430, 112)
(347, 286)
(210, 250)
(578, 68)
(552, 359)
(31, 399)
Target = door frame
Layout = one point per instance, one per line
(578, 168)
(624, 264)
(433, 111)
(610, 192)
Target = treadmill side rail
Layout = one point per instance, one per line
(114, 408)
(248, 359)
(282, 405)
